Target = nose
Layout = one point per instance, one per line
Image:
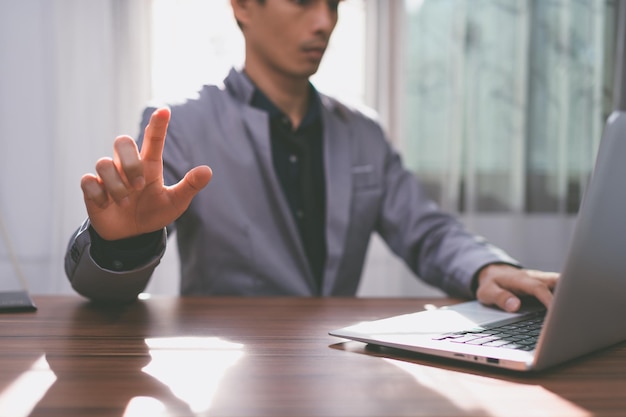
(324, 17)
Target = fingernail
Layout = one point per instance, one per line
(512, 304)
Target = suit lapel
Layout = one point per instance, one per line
(338, 163)
(337, 160)
(257, 130)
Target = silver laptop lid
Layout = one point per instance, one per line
(590, 298)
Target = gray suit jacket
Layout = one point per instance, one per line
(238, 236)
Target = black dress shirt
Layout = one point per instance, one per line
(298, 157)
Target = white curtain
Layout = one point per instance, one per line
(73, 77)
(505, 101)
(504, 109)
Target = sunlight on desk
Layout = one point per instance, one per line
(144, 406)
(476, 394)
(429, 321)
(192, 367)
(21, 397)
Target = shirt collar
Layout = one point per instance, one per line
(262, 102)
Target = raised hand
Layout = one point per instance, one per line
(127, 197)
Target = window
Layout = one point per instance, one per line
(196, 42)
(505, 100)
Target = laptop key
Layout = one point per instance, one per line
(521, 335)
(497, 343)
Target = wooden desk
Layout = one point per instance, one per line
(264, 357)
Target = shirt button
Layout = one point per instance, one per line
(299, 214)
(293, 159)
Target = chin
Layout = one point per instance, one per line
(299, 75)
(308, 72)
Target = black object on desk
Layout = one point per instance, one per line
(13, 301)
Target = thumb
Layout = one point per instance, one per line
(194, 181)
(492, 294)
(510, 303)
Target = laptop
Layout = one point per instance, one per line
(589, 305)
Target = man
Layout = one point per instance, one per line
(301, 182)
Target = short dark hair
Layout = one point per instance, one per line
(239, 23)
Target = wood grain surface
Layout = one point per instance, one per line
(171, 356)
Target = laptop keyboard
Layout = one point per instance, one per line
(521, 335)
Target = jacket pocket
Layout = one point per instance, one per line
(364, 177)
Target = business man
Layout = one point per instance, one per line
(299, 182)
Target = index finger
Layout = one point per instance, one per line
(542, 285)
(534, 283)
(154, 135)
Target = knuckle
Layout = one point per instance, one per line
(111, 180)
(132, 166)
(535, 285)
(501, 296)
(104, 165)
(123, 141)
(481, 292)
(491, 294)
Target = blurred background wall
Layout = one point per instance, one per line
(497, 105)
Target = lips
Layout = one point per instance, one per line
(314, 52)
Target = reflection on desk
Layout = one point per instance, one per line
(264, 357)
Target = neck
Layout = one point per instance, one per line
(289, 94)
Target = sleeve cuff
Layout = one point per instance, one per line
(124, 254)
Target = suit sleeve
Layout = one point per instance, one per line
(97, 283)
(434, 244)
